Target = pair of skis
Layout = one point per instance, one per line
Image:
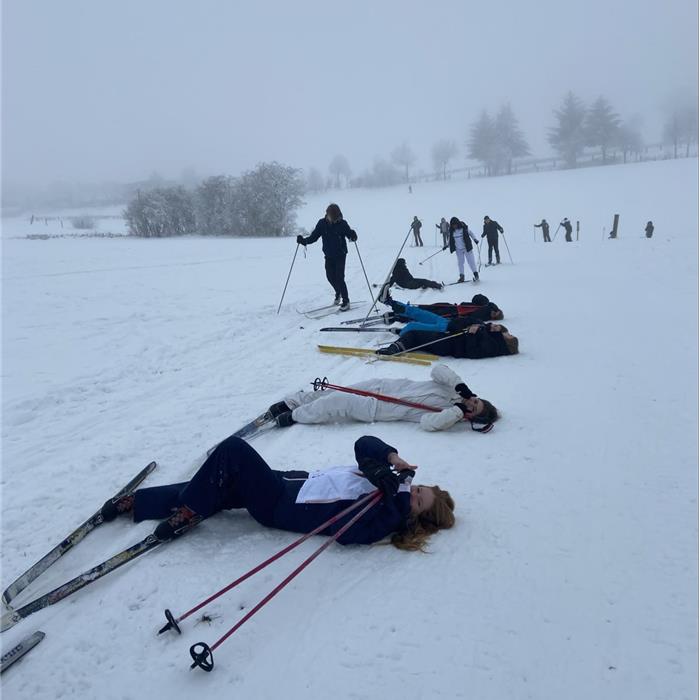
(329, 310)
(12, 616)
(412, 358)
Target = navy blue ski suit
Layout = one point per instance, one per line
(236, 476)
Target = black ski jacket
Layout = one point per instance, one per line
(465, 235)
(475, 346)
(491, 230)
(333, 237)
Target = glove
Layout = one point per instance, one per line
(483, 235)
(445, 247)
(301, 240)
(383, 476)
(352, 236)
(464, 391)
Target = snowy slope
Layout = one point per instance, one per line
(572, 571)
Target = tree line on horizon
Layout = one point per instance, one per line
(496, 140)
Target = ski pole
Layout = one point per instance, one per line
(201, 653)
(478, 252)
(431, 256)
(369, 286)
(173, 621)
(534, 234)
(555, 233)
(507, 248)
(291, 267)
(388, 277)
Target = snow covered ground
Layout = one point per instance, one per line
(572, 571)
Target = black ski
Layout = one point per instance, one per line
(250, 430)
(69, 542)
(449, 284)
(12, 617)
(19, 650)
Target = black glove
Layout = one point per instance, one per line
(445, 247)
(381, 475)
(464, 391)
(483, 235)
(301, 240)
(352, 236)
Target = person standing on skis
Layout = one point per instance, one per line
(491, 231)
(444, 231)
(568, 228)
(333, 230)
(416, 226)
(545, 230)
(461, 243)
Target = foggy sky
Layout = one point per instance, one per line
(107, 89)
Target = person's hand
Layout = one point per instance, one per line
(464, 391)
(352, 236)
(381, 476)
(400, 464)
(445, 247)
(300, 240)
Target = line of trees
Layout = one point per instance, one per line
(496, 141)
(261, 202)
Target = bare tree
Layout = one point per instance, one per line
(403, 156)
(314, 181)
(339, 167)
(443, 152)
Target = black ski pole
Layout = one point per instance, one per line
(478, 250)
(555, 233)
(369, 286)
(291, 267)
(507, 248)
(431, 256)
(388, 277)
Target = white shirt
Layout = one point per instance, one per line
(338, 484)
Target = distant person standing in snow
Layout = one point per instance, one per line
(416, 227)
(545, 230)
(649, 230)
(461, 243)
(333, 230)
(567, 229)
(444, 228)
(491, 230)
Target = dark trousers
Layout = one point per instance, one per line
(493, 247)
(418, 239)
(418, 283)
(335, 274)
(233, 476)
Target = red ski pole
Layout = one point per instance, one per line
(201, 653)
(173, 621)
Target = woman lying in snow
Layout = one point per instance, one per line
(446, 391)
(480, 307)
(236, 476)
(465, 336)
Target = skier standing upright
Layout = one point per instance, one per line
(568, 228)
(333, 230)
(545, 230)
(444, 231)
(491, 231)
(416, 227)
(461, 243)
(649, 230)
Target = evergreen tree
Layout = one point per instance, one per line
(568, 137)
(509, 139)
(481, 145)
(601, 126)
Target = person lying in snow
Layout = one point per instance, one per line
(401, 277)
(236, 476)
(466, 336)
(480, 307)
(445, 391)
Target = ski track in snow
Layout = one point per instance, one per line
(572, 570)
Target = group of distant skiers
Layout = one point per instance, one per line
(568, 230)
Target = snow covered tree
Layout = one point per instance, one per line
(601, 126)
(215, 208)
(682, 127)
(266, 200)
(339, 167)
(314, 181)
(568, 137)
(443, 152)
(481, 145)
(509, 139)
(404, 157)
(161, 212)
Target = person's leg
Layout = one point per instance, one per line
(495, 249)
(340, 279)
(428, 327)
(233, 476)
(336, 406)
(460, 252)
(331, 275)
(470, 259)
(415, 313)
(488, 240)
(422, 283)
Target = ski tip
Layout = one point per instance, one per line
(8, 620)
